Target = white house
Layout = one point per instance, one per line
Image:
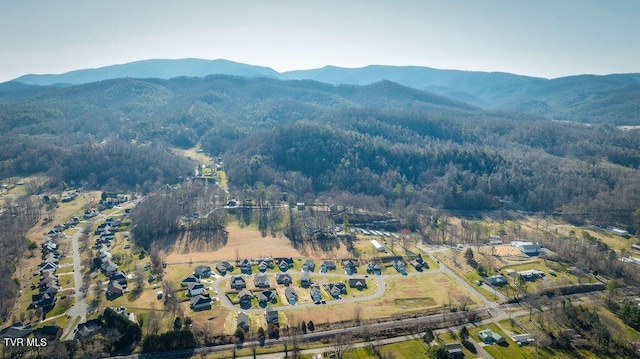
(379, 247)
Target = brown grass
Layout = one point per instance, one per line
(242, 243)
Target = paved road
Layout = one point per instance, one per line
(315, 336)
(80, 307)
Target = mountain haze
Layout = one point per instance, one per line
(613, 99)
(161, 69)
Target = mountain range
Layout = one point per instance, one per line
(611, 99)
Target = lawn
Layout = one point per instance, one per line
(507, 350)
(405, 350)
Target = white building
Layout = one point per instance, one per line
(379, 247)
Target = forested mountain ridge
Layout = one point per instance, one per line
(584, 98)
(157, 68)
(382, 146)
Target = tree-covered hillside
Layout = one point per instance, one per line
(611, 99)
(390, 146)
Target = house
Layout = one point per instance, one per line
(119, 277)
(51, 332)
(261, 281)
(336, 289)
(291, 295)
(16, 330)
(50, 288)
(399, 266)
(108, 267)
(531, 274)
(238, 282)
(242, 321)
(309, 265)
(267, 296)
(454, 350)
(374, 268)
(48, 280)
(51, 258)
(497, 280)
(49, 267)
(45, 301)
(530, 249)
(194, 289)
(315, 293)
(379, 247)
(283, 265)
(123, 311)
(350, 266)
(245, 298)
(522, 339)
(114, 290)
(245, 266)
(88, 329)
(200, 302)
(189, 280)
(262, 267)
(224, 267)
(305, 280)
(271, 316)
(283, 278)
(489, 337)
(267, 261)
(358, 283)
(620, 232)
(202, 271)
(327, 266)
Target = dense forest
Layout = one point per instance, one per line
(384, 145)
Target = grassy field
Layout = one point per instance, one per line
(403, 294)
(405, 350)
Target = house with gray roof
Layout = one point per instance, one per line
(267, 296)
(202, 271)
(242, 321)
(316, 294)
(291, 295)
(309, 265)
(271, 316)
(305, 279)
(261, 280)
(224, 268)
(283, 278)
(238, 282)
(200, 302)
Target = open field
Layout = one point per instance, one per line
(403, 294)
(405, 350)
(242, 243)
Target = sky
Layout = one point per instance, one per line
(543, 38)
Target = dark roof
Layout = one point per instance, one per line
(243, 320)
(357, 283)
(272, 316)
(49, 331)
(283, 278)
(201, 270)
(266, 295)
(200, 299)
